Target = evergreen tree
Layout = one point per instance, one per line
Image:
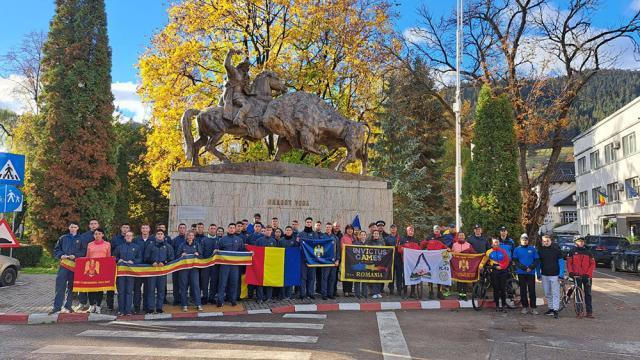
(490, 188)
(409, 150)
(74, 172)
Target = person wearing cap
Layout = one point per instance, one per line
(506, 242)
(478, 241)
(407, 242)
(581, 263)
(498, 259)
(380, 224)
(526, 260)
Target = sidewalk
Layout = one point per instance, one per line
(31, 298)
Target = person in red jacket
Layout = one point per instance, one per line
(435, 243)
(408, 242)
(581, 263)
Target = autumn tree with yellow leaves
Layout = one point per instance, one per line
(335, 49)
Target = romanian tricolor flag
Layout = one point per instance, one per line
(602, 198)
(273, 266)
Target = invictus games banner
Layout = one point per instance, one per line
(94, 274)
(372, 264)
(431, 266)
(464, 267)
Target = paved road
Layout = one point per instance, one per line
(354, 335)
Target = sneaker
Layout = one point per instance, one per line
(441, 296)
(96, 310)
(549, 312)
(159, 311)
(199, 308)
(524, 311)
(219, 304)
(233, 303)
(534, 312)
(324, 298)
(590, 315)
(446, 293)
(54, 312)
(555, 314)
(65, 311)
(92, 309)
(185, 309)
(504, 309)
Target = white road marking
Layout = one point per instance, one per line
(170, 352)
(238, 324)
(394, 346)
(305, 316)
(200, 336)
(609, 275)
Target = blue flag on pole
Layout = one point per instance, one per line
(356, 222)
(320, 252)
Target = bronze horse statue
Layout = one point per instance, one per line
(299, 119)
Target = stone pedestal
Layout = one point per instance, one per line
(227, 193)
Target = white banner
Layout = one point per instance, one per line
(431, 266)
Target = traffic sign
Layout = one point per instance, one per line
(7, 238)
(11, 169)
(10, 198)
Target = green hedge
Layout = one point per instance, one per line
(29, 255)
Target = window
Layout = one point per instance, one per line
(629, 144)
(584, 201)
(609, 154)
(595, 195)
(582, 165)
(594, 160)
(569, 217)
(612, 192)
(632, 187)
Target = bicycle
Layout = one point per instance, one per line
(571, 292)
(481, 288)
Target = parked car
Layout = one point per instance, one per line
(9, 268)
(626, 258)
(565, 241)
(603, 245)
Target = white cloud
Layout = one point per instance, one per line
(635, 5)
(126, 100)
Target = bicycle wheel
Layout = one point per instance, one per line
(578, 302)
(478, 295)
(564, 297)
(513, 293)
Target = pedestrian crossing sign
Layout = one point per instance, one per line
(7, 238)
(12, 170)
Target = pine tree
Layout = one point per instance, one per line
(409, 150)
(74, 172)
(490, 188)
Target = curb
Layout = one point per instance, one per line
(39, 318)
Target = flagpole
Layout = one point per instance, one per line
(457, 108)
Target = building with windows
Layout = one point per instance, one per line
(607, 171)
(562, 213)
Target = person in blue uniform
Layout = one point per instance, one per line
(265, 293)
(175, 276)
(158, 253)
(128, 253)
(287, 240)
(229, 273)
(68, 246)
(139, 283)
(329, 273)
(307, 289)
(209, 276)
(190, 277)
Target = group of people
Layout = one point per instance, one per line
(219, 283)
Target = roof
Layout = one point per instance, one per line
(573, 227)
(568, 201)
(564, 172)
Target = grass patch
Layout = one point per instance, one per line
(47, 265)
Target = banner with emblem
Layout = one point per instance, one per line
(464, 267)
(320, 252)
(430, 266)
(371, 264)
(95, 274)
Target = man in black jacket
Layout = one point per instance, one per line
(550, 255)
(479, 243)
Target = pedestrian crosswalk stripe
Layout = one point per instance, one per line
(200, 336)
(394, 346)
(238, 324)
(173, 353)
(305, 316)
